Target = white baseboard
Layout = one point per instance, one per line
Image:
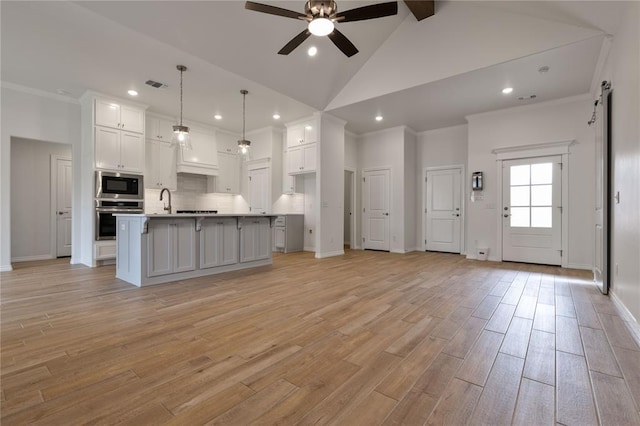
(308, 249)
(6, 268)
(32, 258)
(627, 317)
(329, 254)
(580, 266)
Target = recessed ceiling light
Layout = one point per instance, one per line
(378, 118)
(217, 117)
(132, 92)
(312, 51)
(507, 90)
(276, 116)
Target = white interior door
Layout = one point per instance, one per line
(376, 210)
(258, 194)
(532, 210)
(63, 207)
(443, 212)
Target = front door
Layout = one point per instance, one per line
(63, 207)
(532, 210)
(376, 210)
(442, 213)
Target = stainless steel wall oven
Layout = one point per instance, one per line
(106, 221)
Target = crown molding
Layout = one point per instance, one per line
(520, 108)
(38, 92)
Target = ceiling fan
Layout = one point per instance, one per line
(321, 16)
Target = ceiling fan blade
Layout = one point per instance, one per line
(343, 43)
(421, 8)
(272, 10)
(295, 42)
(368, 12)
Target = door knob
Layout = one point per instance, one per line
(506, 215)
(456, 214)
(386, 214)
(506, 208)
(60, 213)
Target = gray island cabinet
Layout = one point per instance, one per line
(155, 249)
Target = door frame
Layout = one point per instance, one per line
(549, 149)
(352, 230)
(463, 198)
(53, 203)
(363, 195)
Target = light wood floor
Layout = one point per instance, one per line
(367, 338)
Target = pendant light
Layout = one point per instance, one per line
(243, 144)
(181, 132)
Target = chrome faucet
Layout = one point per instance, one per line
(166, 208)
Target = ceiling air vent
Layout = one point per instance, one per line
(156, 84)
(526, 98)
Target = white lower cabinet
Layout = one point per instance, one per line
(255, 238)
(218, 242)
(171, 246)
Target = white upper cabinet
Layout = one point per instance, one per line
(118, 116)
(160, 170)
(302, 133)
(227, 142)
(118, 150)
(228, 179)
(301, 159)
(158, 129)
(203, 158)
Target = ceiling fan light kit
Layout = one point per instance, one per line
(322, 15)
(180, 131)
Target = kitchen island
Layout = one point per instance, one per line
(159, 248)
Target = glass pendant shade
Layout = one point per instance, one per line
(244, 146)
(321, 27)
(181, 137)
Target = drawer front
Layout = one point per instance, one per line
(280, 221)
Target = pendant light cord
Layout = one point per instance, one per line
(244, 97)
(181, 71)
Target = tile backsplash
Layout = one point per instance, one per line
(192, 195)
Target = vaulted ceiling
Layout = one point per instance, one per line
(425, 74)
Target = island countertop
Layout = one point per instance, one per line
(190, 215)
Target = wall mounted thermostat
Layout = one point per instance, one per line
(476, 181)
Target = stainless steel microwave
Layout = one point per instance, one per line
(119, 186)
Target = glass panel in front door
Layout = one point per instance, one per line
(531, 195)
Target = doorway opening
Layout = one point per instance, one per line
(349, 209)
(41, 192)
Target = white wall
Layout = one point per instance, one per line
(545, 122)
(309, 212)
(330, 187)
(31, 197)
(350, 151)
(28, 114)
(623, 70)
(410, 190)
(439, 147)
